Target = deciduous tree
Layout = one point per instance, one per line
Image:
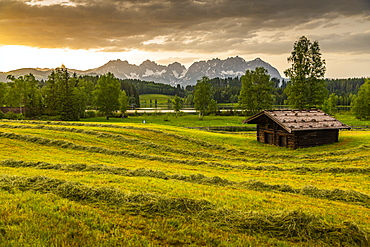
(306, 87)
(256, 92)
(107, 94)
(177, 104)
(123, 102)
(61, 95)
(330, 104)
(361, 104)
(23, 92)
(202, 96)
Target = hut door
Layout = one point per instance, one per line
(268, 138)
(282, 141)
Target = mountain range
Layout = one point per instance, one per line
(172, 74)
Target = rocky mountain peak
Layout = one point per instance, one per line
(174, 73)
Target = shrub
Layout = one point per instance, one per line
(90, 114)
(11, 115)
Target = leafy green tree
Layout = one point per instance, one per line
(330, 104)
(256, 92)
(212, 107)
(202, 96)
(177, 104)
(306, 87)
(361, 104)
(87, 87)
(123, 102)
(3, 90)
(23, 92)
(107, 94)
(61, 94)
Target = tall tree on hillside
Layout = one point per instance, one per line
(107, 94)
(256, 92)
(306, 87)
(202, 96)
(361, 104)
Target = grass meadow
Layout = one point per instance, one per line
(155, 184)
(162, 100)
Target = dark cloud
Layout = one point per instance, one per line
(205, 26)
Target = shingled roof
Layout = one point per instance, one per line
(299, 120)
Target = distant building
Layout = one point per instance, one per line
(12, 109)
(296, 128)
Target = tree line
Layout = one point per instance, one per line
(306, 88)
(227, 90)
(66, 96)
(150, 87)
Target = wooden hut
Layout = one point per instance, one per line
(296, 128)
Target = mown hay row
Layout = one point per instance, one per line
(135, 141)
(347, 196)
(126, 153)
(196, 154)
(180, 137)
(309, 158)
(93, 149)
(294, 226)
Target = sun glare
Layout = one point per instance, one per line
(50, 2)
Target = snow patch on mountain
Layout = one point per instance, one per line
(149, 72)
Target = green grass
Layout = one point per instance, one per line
(184, 120)
(161, 99)
(132, 184)
(187, 120)
(350, 120)
(179, 121)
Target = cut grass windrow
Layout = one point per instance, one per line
(293, 158)
(93, 149)
(195, 154)
(347, 196)
(294, 226)
(121, 138)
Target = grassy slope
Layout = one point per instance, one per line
(161, 99)
(147, 184)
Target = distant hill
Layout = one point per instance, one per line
(173, 74)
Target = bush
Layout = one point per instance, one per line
(11, 115)
(90, 114)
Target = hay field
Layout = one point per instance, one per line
(91, 184)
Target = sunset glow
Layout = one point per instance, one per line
(84, 34)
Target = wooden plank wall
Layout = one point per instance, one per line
(271, 133)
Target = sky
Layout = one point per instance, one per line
(85, 34)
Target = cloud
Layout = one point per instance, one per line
(203, 26)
